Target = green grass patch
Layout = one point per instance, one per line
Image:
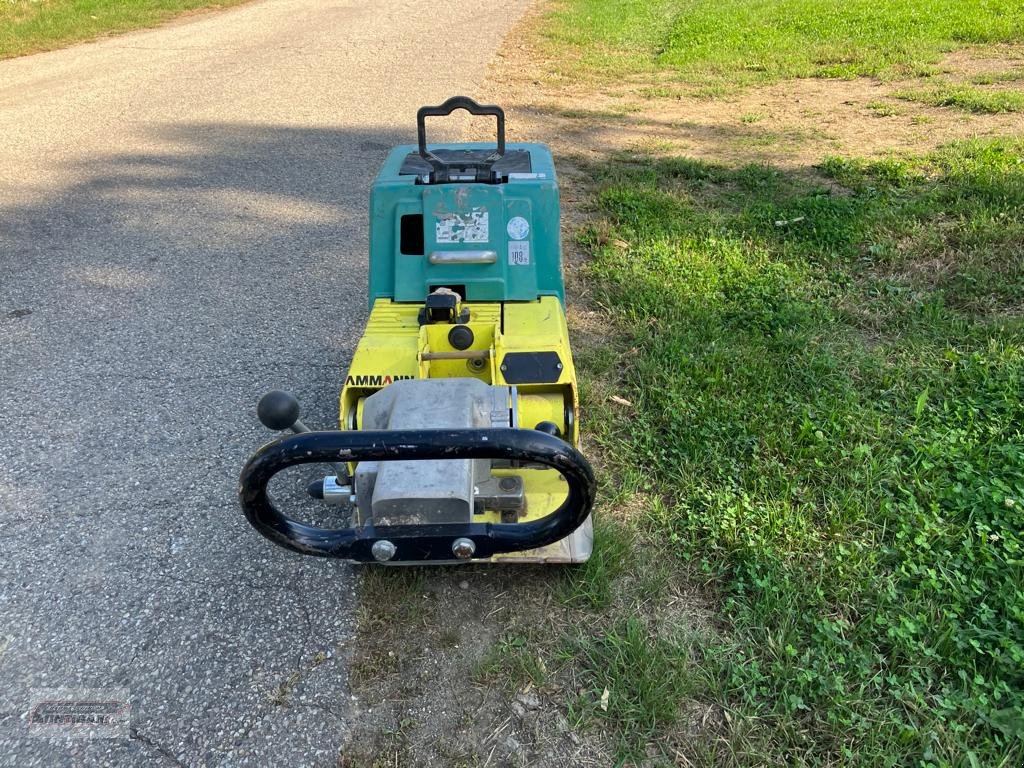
(593, 586)
(966, 97)
(993, 78)
(633, 680)
(828, 392)
(29, 26)
(713, 42)
(514, 661)
(885, 108)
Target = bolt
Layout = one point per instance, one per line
(383, 550)
(463, 548)
(508, 484)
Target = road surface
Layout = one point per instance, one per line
(182, 227)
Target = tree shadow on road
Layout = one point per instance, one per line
(144, 307)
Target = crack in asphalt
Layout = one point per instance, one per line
(136, 735)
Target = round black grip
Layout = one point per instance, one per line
(454, 103)
(416, 542)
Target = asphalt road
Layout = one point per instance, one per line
(183, 218)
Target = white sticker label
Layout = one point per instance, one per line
(518, 228)
(519, 253)
(472, 227)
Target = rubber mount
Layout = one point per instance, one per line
(278, 410)
(461, 337)
(548, 428)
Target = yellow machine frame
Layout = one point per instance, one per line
(395, 346)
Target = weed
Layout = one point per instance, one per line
(660, 92)
(591, 584)
(283, 693)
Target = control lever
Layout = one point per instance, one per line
(279, 410)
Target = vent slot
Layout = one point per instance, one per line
(411, 240)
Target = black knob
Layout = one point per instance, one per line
(548, 427)
(278, 410)
(460, 337)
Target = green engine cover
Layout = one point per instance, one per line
(489, 241)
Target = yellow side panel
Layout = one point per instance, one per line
(539, 327)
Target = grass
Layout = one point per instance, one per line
(828, 427)
(30, 26)
(709, 42)
(642, 673)
(826, 432)
(808, 550)
(966, 97)
(393, 603)
(992, 78)
(883, 108)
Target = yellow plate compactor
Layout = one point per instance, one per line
(459, 414)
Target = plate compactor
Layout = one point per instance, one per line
(459, 414)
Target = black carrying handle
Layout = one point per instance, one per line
(416, 542)
(459, 102)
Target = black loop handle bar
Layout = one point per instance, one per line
(416, 542)
(459, 102)
(452, 104)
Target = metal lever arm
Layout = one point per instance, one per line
(416, 542)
